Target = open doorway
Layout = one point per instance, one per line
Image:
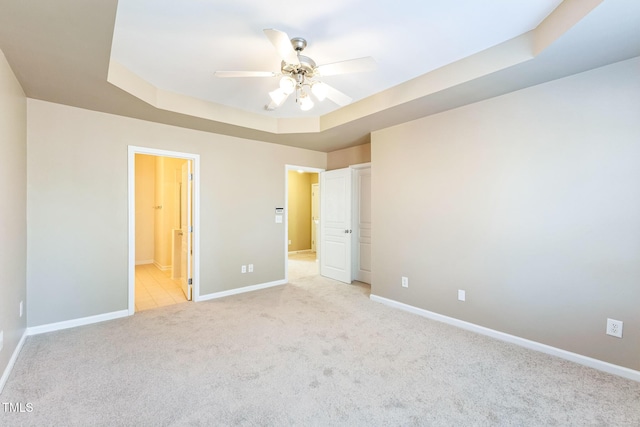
(303, 222)
(163, 255)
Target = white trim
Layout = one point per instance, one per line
(242, 290)
(12, 361)
(36, 330)
(302, 251)
(288, 168)
(132, 151)
(522, 342)
(145, 262)
(162, 267)
(361, 166)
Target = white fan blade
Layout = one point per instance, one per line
(280, 40)
(338, 97)
(244, 74)
(357, 65)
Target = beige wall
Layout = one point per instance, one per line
(167, 186)
(77, 175)
(13, 228)
(299, 209)
(349, 156)
(530, 202)
(145, 212)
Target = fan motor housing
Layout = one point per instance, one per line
(298, 44)
(306, 67)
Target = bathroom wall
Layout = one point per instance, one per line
(299, 209)
(145, 213)
(168, 177)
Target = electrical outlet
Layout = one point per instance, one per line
(289, 241)
(250, 268)
(461, 295)
(21, 306)
(614, 328)
(405, 282)
(244, 269)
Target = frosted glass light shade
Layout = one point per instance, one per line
(319, 90)
(305, 102)
(287, 85)
(278, 96)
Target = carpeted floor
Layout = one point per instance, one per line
(314, 352)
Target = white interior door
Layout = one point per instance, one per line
(186, 276)
(315, 216)
(362, 225)
(335, 224)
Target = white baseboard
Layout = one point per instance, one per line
(12, 361)
(144, 262)
(302, 251)
(239, 290)
(162, 267)
(35, 330)
(523, 342)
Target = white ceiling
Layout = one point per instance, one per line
(60, 51)
(177, 45)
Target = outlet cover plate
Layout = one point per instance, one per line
(614, 328)
(461, 295)
(405, 282)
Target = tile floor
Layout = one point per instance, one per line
(155, 288)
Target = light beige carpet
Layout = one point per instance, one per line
(302, 265)
(314, 352)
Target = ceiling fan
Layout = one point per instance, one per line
(301, 75)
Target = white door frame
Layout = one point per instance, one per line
(288, 168)
(356, 196)
(195, 158)
(315, 226)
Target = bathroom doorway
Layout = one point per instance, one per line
(302, 222)
(163, 238)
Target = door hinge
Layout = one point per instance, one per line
(191, 229)
(190, 177)
(191, 281)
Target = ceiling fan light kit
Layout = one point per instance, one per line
(300, 74)
(319, 89)
(288, 85)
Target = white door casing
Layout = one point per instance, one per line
(362, 225)
(186, 278)
(335, 224)
(315, 216)
(288, 168)
(195, 240)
